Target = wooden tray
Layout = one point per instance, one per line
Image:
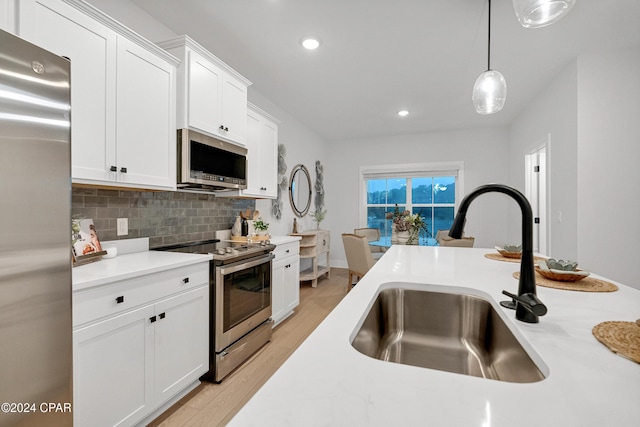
(253, 239)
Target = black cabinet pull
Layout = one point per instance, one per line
(123, 170)
(185, 280)
(120, 300)
(113, 169)
(152, 319)
(221, 127)
(224, 128)
(287, 251)
(162, 315)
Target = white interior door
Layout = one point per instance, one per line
(536, 193)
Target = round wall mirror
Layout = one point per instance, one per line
(300, 190)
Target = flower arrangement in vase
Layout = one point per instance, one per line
(406, 227)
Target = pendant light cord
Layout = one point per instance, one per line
(489, 40)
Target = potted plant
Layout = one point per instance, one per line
(318, 217)
(261, 227)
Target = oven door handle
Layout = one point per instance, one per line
(241, 265)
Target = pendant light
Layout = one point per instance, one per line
(539, 13)
(490, 90)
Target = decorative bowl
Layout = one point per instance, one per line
(570, 273)
(510, 251)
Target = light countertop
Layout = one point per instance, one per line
(131, 265)
(326, 382)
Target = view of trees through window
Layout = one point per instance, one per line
(433, 197)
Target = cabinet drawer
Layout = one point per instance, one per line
(286, 249)
(95, 303)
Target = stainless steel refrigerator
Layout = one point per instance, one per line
(35, 236)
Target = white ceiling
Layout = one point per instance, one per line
(380, 56)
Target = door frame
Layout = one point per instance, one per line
(537, 191)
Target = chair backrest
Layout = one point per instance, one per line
(372, 234)
(359, 256)
(442, 236)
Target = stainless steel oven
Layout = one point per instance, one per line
(242, 311)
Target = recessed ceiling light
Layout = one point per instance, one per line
(403, 113)
(310, 43)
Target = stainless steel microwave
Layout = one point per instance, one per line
(210, 164)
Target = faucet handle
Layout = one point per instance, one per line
(530, 302)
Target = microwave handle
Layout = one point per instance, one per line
(241, 265)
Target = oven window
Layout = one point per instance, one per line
(246, 292)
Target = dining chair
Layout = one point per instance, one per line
(372, 235)
(359, 257)
(442, 236)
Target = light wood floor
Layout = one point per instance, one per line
(215, 404)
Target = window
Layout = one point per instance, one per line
(430, 190)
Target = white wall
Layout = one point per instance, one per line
(608, 157)
(483, 151)
(551, 117)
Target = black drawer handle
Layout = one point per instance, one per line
(185, 280)
(120, 300)
(152, 319)
(162, 315)
(123, 170)
(287, 251)
(113, 169)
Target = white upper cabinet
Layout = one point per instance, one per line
(212, 97)
(145, 119)
(122, 94)
(262, 146)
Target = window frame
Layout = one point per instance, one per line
(408, 170)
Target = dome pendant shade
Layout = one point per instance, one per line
(489, 92)
(539, 13)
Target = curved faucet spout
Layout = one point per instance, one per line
(526, 282)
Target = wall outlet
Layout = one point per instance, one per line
(123, 226)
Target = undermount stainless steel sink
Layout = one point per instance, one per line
(453, 332)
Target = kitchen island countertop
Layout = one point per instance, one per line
(326, 382)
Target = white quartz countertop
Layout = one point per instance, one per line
(326, 382)
(131, 265)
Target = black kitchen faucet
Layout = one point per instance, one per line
(527, 305)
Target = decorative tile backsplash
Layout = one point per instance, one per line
(164, 217)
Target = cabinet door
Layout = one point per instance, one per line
(204, 83)
(113, 370)
(234, 110)
(269, 158)
(7, 16)
(145, 119)
(91, 47)
(292, 284)
(181, 341)
(254, 177)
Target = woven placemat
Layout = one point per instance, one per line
(500, 257)
(588, 284)
(622, 338)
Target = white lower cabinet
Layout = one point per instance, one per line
(130, 363)
(112, 370)
(285, 286)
